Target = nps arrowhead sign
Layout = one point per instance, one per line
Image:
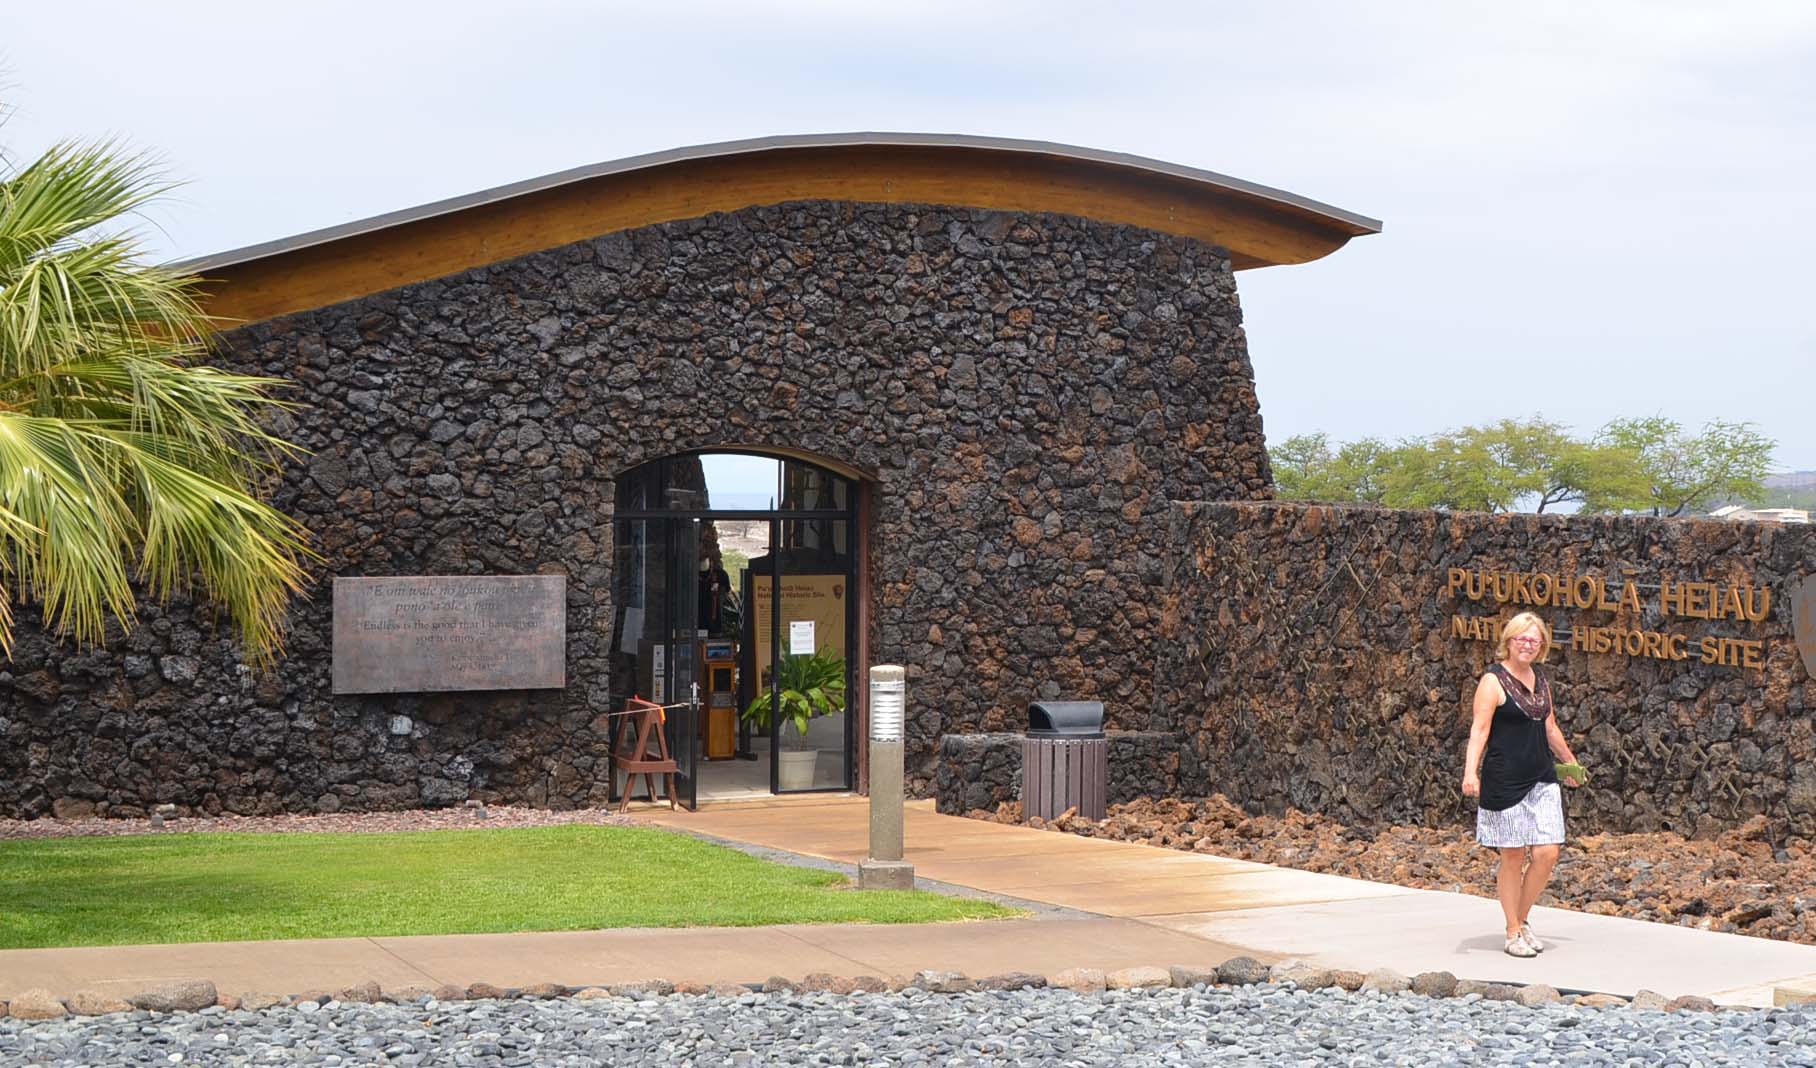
(1803, 621)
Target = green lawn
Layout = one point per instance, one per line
(230, 887)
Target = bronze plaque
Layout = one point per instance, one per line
(1803, 621)
(419, 633)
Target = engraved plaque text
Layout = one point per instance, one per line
(420, 633)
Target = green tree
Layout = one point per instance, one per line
(1306, 468)
(126, 467)
(1472, 469)
(1300, 463)
(1500, 467)
(1548, 466)
(1508, 465)
(1597, 477)
(1683, 472)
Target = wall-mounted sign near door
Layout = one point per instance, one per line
(1803, 621)
(421, 633)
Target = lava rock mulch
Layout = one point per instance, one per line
(1247, 1025)
(1741, 882)
(471, 815)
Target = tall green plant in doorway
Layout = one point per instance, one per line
(812, 685)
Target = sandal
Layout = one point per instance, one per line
(1531, 939)
(1518, 947)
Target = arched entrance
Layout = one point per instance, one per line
(740, 572)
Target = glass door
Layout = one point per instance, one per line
(682, 721)
(772, 619)
(812, 624)
(657, 643)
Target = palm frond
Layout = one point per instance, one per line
(76, 524)
(210, 411)
(67, 287)
(73, 187)
(245, 551)
(12, 529)
(122, 460)
(66, 304)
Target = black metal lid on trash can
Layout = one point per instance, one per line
(1065, 719)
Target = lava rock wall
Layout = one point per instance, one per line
(1028, 392)
(1310, 659)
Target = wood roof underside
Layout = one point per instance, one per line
(1261, 227)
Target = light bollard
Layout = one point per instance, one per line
(884, 868)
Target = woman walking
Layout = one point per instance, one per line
(1513, 740)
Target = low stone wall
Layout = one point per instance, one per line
(1311, 657)
(980, 771)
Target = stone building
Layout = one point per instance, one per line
(955, 381)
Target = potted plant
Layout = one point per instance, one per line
(812, 685)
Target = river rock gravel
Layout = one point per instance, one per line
(1252, 1025)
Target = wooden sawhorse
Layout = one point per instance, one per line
(646, 717)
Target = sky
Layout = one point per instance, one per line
(1594, 210)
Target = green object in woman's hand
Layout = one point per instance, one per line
(1572, 774)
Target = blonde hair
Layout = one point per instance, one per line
(1519, 625)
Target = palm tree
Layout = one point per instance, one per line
(126, 468)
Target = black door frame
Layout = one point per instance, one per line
(857, 560)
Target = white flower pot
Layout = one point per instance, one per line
(795, 768)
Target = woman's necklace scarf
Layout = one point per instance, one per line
(1535, 703)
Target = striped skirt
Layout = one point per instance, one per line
(1537, 820)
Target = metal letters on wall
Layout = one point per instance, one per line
(425, 633)
(1670, 600)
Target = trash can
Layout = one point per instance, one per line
(1065, 760)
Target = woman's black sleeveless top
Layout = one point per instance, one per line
(1517, 757)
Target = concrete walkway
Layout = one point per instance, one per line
(584, 958)
(1273, 912)
(1146, 906)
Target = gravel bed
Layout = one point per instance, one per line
(431, 819)
(1257, 1025)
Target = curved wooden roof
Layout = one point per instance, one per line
(1260, 226)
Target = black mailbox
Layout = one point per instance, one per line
(1065, 719)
